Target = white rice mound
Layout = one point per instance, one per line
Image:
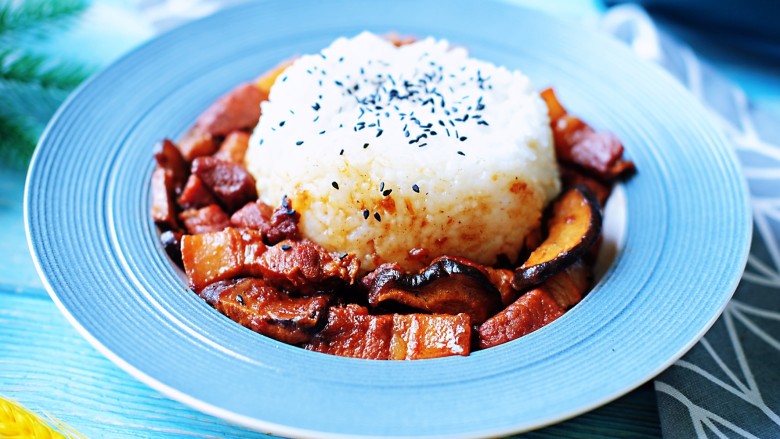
(340, 136)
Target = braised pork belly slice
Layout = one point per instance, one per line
(232, 185)
(301, 266)
(163, 210)
(239, 109)
(208, 219)
(352, 332)
(195, 194)
(255, 304)
(530, 312)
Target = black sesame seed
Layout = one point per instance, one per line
(463, 138)
(281, 124)
(339, 83)
(365, 145)
(461, 153)
(342, 152)
(299, 143)
(381, 186)
(416, 188)
(286, 247)
(322, 132)
(379, 133)
(239, 299)
(387, 192)
(316, 106)
(421, 145)
(377, 217)
(365, 214)
(335, 185)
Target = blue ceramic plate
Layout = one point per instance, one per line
(684, 248)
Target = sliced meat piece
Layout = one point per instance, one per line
(233, 148)
(196, 144)
(563, 290)
(275, 224)
(168, 157)
(303, 266)
(255, 215)
(205, 220)
(399, 40)
(447, 286)
(238, 109)
(582, 275)
(284, 223)
(530, 312)
(501, 278)
(420, 336)
(599, 153)
(258, 306)
(571, 176)
(568, 130)
(230, 183)
(212, 257)
(195, 194)
(554, 108)
(300, 266)
(352, 332)
(163, 209)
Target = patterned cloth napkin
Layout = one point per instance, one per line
(728, 385)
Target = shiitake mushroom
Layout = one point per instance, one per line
(447, 286)
(573, 227)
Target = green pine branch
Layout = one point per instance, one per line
(16, 131)
(32, 86)
(37, 17)
(32, 68)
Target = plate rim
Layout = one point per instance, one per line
(260, 425)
